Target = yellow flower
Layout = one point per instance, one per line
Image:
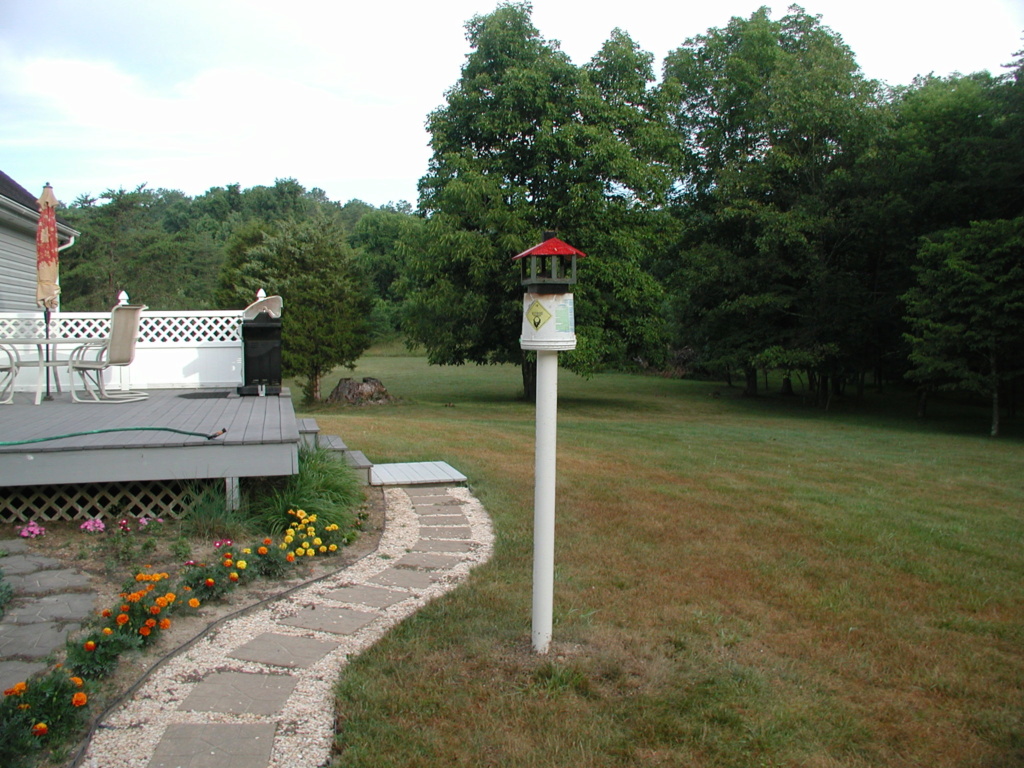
(301, 514)
(311, 519)
(322, 548)
(333, 548)
(247, 551)
(240, 564)
(310, 552)
(289, 539)
(317, 541)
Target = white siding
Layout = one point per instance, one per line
(17, 269)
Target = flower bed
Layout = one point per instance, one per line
(44, 712)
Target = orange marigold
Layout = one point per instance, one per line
(78, 682)
(107, 613)
(144, 631)
(162, 602)
(108, 631)
(150, 623)
(89, 645)
(268, 542)
(261, 551)
(39, 729)
(17, 689)
(210, 582)
(79, 700)
(165, 623)
(193, 603)
(290, 557)
(154, 609)
(122, 619)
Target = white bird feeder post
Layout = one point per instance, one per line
(548, 274)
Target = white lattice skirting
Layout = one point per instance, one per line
(85, 501)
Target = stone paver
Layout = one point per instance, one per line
(32, 641)
(48, 582)
(445, 520)
(20, 564)
(394, 577)
(74, 607)
(284, 650)
(337, 621)
(439, 545)
(13, 671)
(361, 594)
(445, 532)
(427, 561)
(240, 693)
(215, 745)
(13, 546)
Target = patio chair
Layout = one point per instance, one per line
(9, 365)
(92, 360)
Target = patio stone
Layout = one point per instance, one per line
(214, 745)
(395, 577)
(51, 608)
(284, 650)
(337, 621)
(32, 641)
(46, 582)
(373, 597)
(438, 545)
(427, 561)
(240, 693)
(20, 564)
(441, 532)
(446, 520)
(436, 509)
(12, 672)
(13, 546)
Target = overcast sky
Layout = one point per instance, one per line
(192, 94)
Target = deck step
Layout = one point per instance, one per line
(309, 432)
(417, 473)
(362, 465)
(333, 443)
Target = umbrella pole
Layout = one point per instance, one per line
(46, 317)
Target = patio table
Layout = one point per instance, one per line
(41, 362)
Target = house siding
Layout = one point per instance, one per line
(17, 269)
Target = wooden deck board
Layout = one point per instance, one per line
(262, 438)
(417, 473)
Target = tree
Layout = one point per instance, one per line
(771, 116)
(966, 313)
(327, 302)
(528, 142)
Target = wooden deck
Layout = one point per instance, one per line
(132, 441)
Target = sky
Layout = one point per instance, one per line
(194, 94)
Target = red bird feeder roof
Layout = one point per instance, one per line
(550, 247)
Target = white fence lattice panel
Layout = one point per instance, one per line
(175, 349)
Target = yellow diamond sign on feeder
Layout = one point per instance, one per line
(537, 315)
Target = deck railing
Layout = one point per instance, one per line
(176, 349)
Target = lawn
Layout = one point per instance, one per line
(738, 582)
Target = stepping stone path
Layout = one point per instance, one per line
(257, 690)
(49, 602)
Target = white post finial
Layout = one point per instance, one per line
(261, 294)
(122, 298)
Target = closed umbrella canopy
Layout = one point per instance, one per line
(47, 290)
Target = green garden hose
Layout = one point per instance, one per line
(115, 429)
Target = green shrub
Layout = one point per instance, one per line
(324, 486)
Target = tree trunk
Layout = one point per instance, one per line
(995, 394)
(750, 374)
(787, 383)
(530, 377)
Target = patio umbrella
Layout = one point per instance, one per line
(47, 289)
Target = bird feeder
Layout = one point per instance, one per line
(548, 272)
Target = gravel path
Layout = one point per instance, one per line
(257, 690)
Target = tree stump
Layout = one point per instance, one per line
(369, 391)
